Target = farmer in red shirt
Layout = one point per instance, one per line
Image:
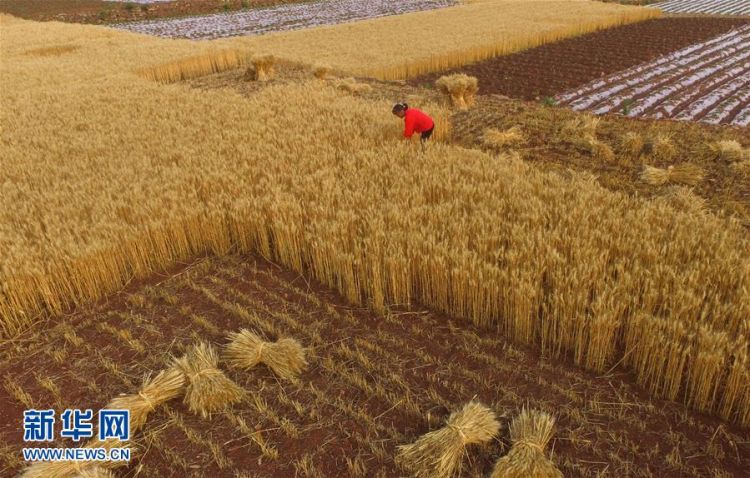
(414, 121)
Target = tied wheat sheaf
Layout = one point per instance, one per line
(165, 386)
(686, 173)
(482, 237)
(460, 88)
(285, 357)
(95, 472)
(208, 389)
(438, 454)
(530, 432)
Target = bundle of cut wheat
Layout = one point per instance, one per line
(462, 89)
(262, 68)
(286, 357)
(598, 149)
(684, 199)
(438, 454)
(75, 469)
(321, 72)
(165, 386)
(350, 85)
(581, 125)
(729, 150)
(208, 389)
(742, 168)
(496, 138)
(95, 472)
(530, 432)
(686, 173)
(632, 144)
(660, 148)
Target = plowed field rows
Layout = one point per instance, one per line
(708, 81)
(279, 18)
(557, 67)
(722, 7)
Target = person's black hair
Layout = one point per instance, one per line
(398, 107)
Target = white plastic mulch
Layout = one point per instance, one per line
(279, 18)
(708, 81)
(720, 7)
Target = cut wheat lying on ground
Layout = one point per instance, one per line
(557, 262)
(372, 384)
(449, 37)
(708, 81)
(615, 149)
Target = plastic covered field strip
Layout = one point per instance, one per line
(652, 93)
(279, 18)
(618, 83)
(688, 54)
(706, 82)
(676, 103)
(727, 7)
(743, 117)
(657, 97)
(716, 107)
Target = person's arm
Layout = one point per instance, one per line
(408, 126)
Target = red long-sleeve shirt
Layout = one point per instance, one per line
(416, 121)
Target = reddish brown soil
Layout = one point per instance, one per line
(557, 67)
(102, 12)
(373, 383)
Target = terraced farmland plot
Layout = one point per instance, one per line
(723, 7)
(373, 383)
(708, 82)
(279, 18)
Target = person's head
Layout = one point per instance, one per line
(399, 109)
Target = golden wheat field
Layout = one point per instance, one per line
(408, 45)
(156, 199)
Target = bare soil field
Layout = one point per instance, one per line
(707, 81)
(105, 12)
(557, 67)
(374, 382)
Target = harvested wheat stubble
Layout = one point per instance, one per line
(72, 469)
(553, 68)
(694, 83)
(424, 365)
(279, 18)
(286, 357)
(438, 454)
(530, 432)
(208, 389)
